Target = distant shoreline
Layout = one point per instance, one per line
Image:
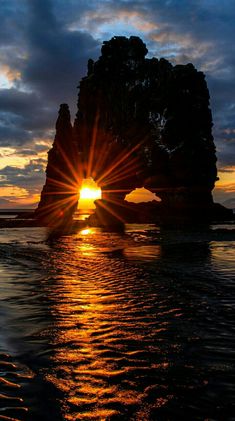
(18, 211)
(24, 218)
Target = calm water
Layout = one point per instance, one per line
(102, 326)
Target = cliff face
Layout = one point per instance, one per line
(140, 122)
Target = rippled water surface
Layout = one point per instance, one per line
(103, 326)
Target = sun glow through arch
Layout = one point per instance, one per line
(89, 192)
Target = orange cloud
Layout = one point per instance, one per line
(101, 17)
(9, 157)
(226, 180)
(226, 188)
(31, 200)
(8, 76)
(186, 47)
(17, 158)
(164, 36)
(17, 196)
(13, 191)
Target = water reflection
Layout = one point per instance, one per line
(117, 326)
(151, 252)
(86, 231)
(106, 321)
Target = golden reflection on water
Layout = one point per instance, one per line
(86, 231)
(117, 321)
(122, 326)
(144, 252)
(104, 334)
(222, 254)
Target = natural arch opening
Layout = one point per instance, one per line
(141, 195)
(89, 192)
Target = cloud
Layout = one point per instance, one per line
(225, 187)
(13, 191)
(22, 116)
(45, 71)
(105, 18)
(57, 56)
(30, 177)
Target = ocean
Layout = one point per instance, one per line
(106, 326)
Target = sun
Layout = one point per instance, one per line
(88, 194)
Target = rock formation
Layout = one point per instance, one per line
(141, 122)
(59, 196)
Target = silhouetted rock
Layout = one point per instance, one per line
(59, 195)
(143, 122)
(221, 213)
(140, 123)
(155, 212)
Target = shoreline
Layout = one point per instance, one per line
(214, 231)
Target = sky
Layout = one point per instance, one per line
(44, 48)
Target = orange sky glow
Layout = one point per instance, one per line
(17, 196)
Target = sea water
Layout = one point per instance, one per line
(106, 326)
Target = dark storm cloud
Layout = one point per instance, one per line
(12, 15)
(51, 61)
(23, 115)
(25, 112)
(16, 102)
(58, 57)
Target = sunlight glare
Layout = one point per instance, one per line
(86, 231)
(88, 194)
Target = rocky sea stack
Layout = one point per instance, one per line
(141, 122)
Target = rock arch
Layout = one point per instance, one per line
(140, 122)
